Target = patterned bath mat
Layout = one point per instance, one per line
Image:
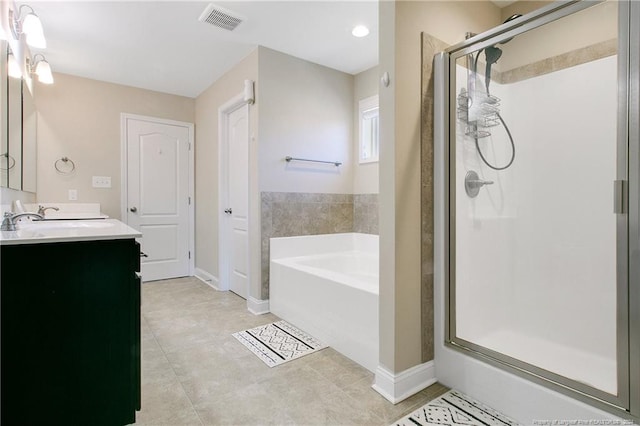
(455, 408)
(278, 342)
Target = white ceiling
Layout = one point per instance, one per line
(161, 45)
(503, 3)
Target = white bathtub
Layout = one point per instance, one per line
(327, 285)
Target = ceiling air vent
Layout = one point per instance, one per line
(220, 17)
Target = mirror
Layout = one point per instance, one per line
(14, 131)
(18, 136)
(29, 124)
(4, 144)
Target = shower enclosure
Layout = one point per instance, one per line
(542, 196)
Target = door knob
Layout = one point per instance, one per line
(228, 211)
(133, 209)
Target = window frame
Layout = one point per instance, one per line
(365, 108)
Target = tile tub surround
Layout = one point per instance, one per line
(291, 214)
(430, 46)
(365, 213)
(560, 62)
(195, 373)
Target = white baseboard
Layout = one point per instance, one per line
(398, 387)
(256, 306)
(207, 278)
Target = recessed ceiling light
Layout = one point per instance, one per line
(360, 31)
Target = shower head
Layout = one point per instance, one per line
(492, 54)
(509, 19)
(512, 17)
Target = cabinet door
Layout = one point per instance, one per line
(69, 333)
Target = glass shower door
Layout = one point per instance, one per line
(537, 153)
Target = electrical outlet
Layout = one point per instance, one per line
(101, 181)
(73, 195)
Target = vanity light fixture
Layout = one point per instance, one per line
(360, 31)
(13, 68)
(28, 24)
(40, 67)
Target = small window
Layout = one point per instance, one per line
(369, 129)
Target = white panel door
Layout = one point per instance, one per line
(237, 207)
(158, 195)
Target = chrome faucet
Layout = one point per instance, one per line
(9, 221)
(42, 209)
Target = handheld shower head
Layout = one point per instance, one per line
(492, 54)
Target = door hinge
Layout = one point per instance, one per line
(189, 200)
(619, 196)
(189, 254)
(189, 145)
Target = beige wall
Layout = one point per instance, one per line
(586, 28)
(80, 118)
(306, 112)
(207, 105)
(387, 199)
(365, 176)
(401, 24)
(8, 196)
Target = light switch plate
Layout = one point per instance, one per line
(73, 195)
(101, 181)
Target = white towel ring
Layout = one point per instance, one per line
(65, 162)
(11, 162)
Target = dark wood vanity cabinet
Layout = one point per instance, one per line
(70, 333)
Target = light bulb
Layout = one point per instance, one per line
(32, 28)
(43, 71)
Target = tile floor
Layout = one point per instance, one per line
(195, 373)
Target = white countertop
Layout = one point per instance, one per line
(68, 216)
(59, 231)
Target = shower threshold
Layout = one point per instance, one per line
(591, 369)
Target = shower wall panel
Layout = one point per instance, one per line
(536, 251)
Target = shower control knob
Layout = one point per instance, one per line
(479, 182)
(473, 183)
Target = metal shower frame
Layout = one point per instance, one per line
(626, 403)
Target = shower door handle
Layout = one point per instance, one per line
(619, 191)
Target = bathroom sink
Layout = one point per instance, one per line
(66, 231)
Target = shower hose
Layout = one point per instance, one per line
(513, 146)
